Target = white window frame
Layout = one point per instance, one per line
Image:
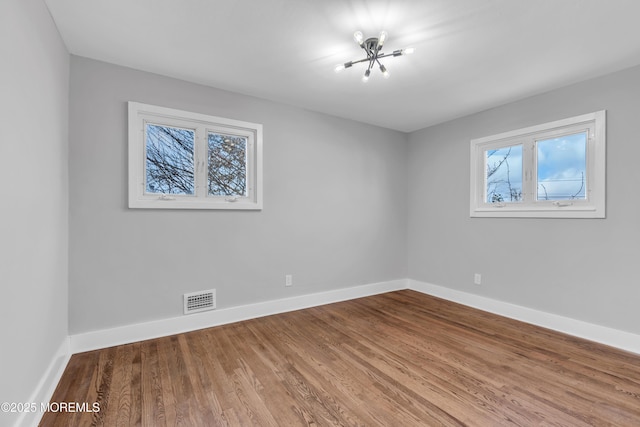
(593, 206)
(142, 114)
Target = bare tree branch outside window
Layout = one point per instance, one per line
(169, 160)
(561, 166)
(500, 187)
(227, 161)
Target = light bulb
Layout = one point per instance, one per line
(382, 38)
(365, 78)
(408, 51)
(385, 73)
(358, 37)
(341, 67)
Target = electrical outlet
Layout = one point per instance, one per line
(477, 279)
(288, 280)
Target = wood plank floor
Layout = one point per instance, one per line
(397, 359)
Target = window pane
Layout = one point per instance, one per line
(504, 174)
(561, 167)
(227, 174)
(169, 165)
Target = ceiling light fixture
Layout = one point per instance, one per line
(372, 47)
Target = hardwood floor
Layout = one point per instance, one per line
(397, 359)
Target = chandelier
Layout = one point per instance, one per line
(373, 48)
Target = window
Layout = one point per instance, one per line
(182, 160)
(554, 170)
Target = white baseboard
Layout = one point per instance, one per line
(47, 385)
(142, 331)
(592, 332)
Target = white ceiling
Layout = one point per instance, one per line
(470, 54)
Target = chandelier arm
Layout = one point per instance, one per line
(368, 58)
(387, 55)
(369, 54)
(374, 56)
(359, 61)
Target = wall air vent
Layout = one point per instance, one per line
(199, 301)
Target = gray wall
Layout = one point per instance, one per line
(34, 233)
(334, 207)
(579, 268)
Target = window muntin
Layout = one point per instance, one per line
(563, 170)
(183, 160)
